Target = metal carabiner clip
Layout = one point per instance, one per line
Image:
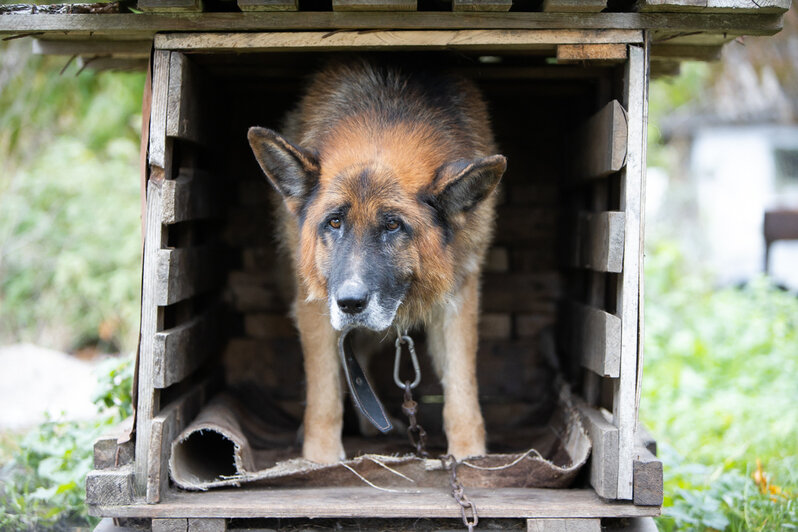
(400, 339)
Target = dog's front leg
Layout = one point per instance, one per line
(324, 402)
(452, 339)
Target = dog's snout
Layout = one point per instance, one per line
(352, 297)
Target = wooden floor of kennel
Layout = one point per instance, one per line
(130, 482)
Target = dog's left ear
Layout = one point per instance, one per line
(461, 184)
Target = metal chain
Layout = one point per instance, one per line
(458, 492)
(418, 436)
(415, 432)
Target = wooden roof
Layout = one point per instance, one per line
(114, 34)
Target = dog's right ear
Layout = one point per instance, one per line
(293, 171)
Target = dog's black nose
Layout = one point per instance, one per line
(352, 297)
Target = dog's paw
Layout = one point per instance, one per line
(323, 452)
(462, 451)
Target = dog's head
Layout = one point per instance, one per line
(376, 229)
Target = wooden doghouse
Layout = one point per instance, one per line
(562, 290)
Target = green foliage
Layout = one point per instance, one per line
(69, 204)
(720, 393)
(667, 95)
(43, 486)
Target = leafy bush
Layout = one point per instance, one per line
(70, 238)
(43, 485)
(720, 394)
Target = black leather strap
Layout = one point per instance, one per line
(362, 393)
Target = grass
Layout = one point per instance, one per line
(720, 393)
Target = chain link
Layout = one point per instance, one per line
(415, 432)
(458, 492)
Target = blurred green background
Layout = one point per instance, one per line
(721, 366)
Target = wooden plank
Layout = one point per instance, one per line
(574, 6)
(115, 448)
(481, 5)
(604, 142)
(604, 456)
(170, 6)
(602, 53)
(374, 5)
(184, 99)
(250, 6)
(365, 501)
(595, 339)
(165, 428)
(170, 525)
(481, 40)
(599, 241)
(714, 6)
(629, 305)
(207, 525)
(563, 525)
(110, 487)
(148, 397)
(189, 197)
(182, 349)
(184, 272)
(146, 25)
(126, 48)
(160, 146)
(647, 471)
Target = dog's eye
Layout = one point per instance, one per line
(335, 223)
(391, 225)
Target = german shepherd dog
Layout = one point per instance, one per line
(387, 176)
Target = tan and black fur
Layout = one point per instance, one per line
(388, 178)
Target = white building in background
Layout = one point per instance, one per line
(737, 172)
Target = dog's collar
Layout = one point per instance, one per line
(362, 393)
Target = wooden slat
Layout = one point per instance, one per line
(165, 428)
(629, 305)
(110, 487)
(144, 26)
(599, 242)
(160, 154)
(563, 525)
(483, 40)
(647, 471)
(268, 5)
(185, 272)
(602, 53)
(148, 397)
(184, 105)
(353, 502)
(170, 6)
(481, 5)
(374, 5)
(181, 350)
(114, 448)
(189, 197)
(170, 525)
(574, 6)
(595, 339)
(604, 455)
(603, 140)
(714, 6)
